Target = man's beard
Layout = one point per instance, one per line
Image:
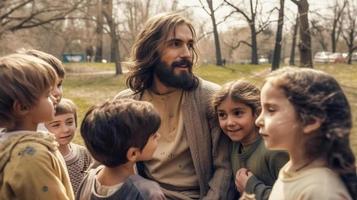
(184, 80)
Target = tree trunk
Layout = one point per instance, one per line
(279, 36)
(114, 36)
(293, 43)
(305, 36)
(333, 39)
(216, 36)
(254, 53)
(336, 23)
(99, 33)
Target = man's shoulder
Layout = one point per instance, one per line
(208, 85)
(127, 93)
(205, 89)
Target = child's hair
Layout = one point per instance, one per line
(315, 94)
(50, 59)
(239, 91)
(111, 128)
(66, 106)
(23, 78)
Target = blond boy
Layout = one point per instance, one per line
(31, 167)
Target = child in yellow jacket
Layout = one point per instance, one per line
(31, 167)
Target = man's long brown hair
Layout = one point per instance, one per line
(146, 49)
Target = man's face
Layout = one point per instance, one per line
(174, 69)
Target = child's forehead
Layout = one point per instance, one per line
(63, 116)
(272, 90)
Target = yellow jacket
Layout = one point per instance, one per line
(31, 167)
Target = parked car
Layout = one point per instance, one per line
(337, 58)
(322, 57)
(263, 60)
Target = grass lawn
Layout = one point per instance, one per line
(86, 87)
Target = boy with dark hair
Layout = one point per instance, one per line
(119, 133)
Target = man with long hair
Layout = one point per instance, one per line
(191, 161)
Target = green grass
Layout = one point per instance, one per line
(88, 89)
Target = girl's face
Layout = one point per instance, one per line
(278, 122)
(63, 127)
(237, 121)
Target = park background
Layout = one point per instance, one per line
(236, 39)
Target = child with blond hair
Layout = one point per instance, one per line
(56, 64)
(306, 113)
(31, 166)
(64, 126)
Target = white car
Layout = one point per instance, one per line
(322, 57)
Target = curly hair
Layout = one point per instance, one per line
(146, 48)
(315, 94)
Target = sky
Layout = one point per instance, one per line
(318, 6)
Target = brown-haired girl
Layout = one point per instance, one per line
(306, 113)
(254, 167)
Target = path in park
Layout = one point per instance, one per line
(106, 72)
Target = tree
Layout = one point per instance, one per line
(23, 14)
(99, 32)
(305, 36)
(350, 30)
(211, 11)
(279, 36)
(338, 10)
(318, 31)
(114, 35)
(293, 43)
(252, 23)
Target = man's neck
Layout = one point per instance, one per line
(160, 88)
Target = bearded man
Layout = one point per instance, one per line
(191, 161)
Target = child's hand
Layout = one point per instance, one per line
(242, 177)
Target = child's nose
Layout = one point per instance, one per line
(259, 121)
(230, 120)
(65, 128)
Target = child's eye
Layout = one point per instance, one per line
(238, 113)
(55, 125)
(221, 115)
(270, 109)
(69, 123)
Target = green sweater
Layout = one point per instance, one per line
(263, 163)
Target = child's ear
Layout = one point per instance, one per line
(312, 125)
(19, 109)
(133, 154)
